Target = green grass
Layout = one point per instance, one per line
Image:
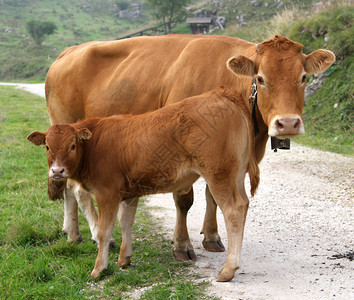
(329, 113)
(36, 261)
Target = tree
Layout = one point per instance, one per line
(38, 30)
(168, 11)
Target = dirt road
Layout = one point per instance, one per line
(300, 219)
(301, 216)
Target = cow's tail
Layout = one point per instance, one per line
(253, 169)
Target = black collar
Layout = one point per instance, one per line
(253, 99)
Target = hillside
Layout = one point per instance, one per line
(77, 22)
(86, 20)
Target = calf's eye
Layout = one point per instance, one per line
(303, 79)
(72, 147)
(260, 80)
(47, 148)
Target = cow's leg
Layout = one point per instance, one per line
(183, 249)
(211, 241)
(71, 218)
(107, 215)
(84, 199)
(233, 202)
(126, 215)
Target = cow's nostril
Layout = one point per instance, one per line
(297, 124)
(278, 124)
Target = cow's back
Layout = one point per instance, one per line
(136, 75)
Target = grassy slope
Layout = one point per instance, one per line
(81, 21)
(77, 21)
(35, 259)
(329, 113)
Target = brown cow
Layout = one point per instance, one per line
(142, 74)
(119, 158)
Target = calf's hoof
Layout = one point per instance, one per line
(95, 274)
(213, 246)
(184, 255)
(76, 239)
(226, 275)
(125, 261)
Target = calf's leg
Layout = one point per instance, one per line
(107, 214)
(183, 249)
(211, 241)
(126, 215)
(233, 202)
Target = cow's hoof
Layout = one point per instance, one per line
(184, 255)
(213, 246)
(125, 261)
(226, 275)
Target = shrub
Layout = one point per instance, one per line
(38, 30)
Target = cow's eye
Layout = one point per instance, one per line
(303, 80)
(260, 80)
(73, 147)
(47, 148)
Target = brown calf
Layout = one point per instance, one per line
(121, 158)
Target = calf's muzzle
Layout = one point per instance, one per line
(57, 173)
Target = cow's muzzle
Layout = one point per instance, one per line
(286, 127)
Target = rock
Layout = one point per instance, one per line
(316, 83)
(255, 3)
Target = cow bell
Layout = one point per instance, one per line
(279, 144)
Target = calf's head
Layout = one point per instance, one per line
(64, 149)
(280, 70)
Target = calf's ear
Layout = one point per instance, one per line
(242, 66)
(318, 61)
(37, 138)
(84, 134)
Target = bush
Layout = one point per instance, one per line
(38, 30)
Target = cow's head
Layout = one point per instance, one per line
(64, 149)
(280, 70)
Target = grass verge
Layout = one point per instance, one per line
(35, 259)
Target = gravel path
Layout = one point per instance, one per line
(34, 88)
(301, 216)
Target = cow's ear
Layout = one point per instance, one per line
(318, 61)
(242, 66)
(37, 138)
(84, 134)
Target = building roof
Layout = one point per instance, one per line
(204, 20)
